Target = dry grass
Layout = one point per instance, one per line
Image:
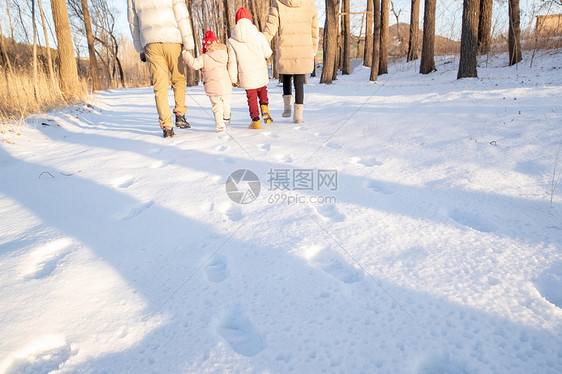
(19, 99)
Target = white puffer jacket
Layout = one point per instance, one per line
(159, 21)
(247, 53)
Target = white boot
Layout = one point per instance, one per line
(287, 101)
(299, 109)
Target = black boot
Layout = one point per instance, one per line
(181, 122)
(168, 132)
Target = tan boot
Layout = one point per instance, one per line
(287, 105)
(256, 125)
(299, 109)
(265, 114)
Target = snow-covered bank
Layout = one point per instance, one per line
(415, 233)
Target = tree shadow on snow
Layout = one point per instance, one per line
(292, 314)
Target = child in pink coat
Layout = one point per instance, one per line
(213, 65)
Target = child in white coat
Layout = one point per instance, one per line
(213, 65)
(247, 53)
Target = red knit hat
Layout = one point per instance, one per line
(209, 39)
(243, 13)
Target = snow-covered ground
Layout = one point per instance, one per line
(405, 227)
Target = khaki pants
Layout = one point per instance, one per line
(164, 61)
(221, 108)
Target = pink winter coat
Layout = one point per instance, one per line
(213, 66)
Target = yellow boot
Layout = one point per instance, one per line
(265, 114)
(256, 124)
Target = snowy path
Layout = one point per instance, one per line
(437, 251)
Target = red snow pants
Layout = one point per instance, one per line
(255, 95)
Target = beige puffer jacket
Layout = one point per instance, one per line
(297, 24)
(247, 54)
(213, 66)
(159, 21)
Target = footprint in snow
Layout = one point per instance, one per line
(379, 187)
(137, 210)
(333, 145)
(227, 160)
(222, 148)
(549, 284)
(284, 159)
(329, 212)
(239, 333)
(322, 134)
(442, 363)
(45, 355)
(367, 162)
(124, 182)
(161, 164)
(471, 220)
(233, 212)
(270, 134)
(334, 264)
(45, 259)
(265, 147)
(217, 269)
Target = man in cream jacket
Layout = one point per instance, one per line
(159, 29)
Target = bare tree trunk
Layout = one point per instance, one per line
(21, 21)
(191, 76)
(196, 41)
(5, 53)
(91, 50)
(427, 64)
(204, 19)
(255, 10)
(376, 40)
(337, 64)
(15, 50)
(368, 54)
(252, 9)
(116, 60)
(330, 42)
(385, 38)
(398, 28)
(346, 63)
(49, 59)
(70, 85)
(485, 26)
(10, 19)
(469, 39)
(514, 40)
(414, 30)
(274, 71)
(216, 16)
(35, 85)
(108, 67)
(227, 24)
